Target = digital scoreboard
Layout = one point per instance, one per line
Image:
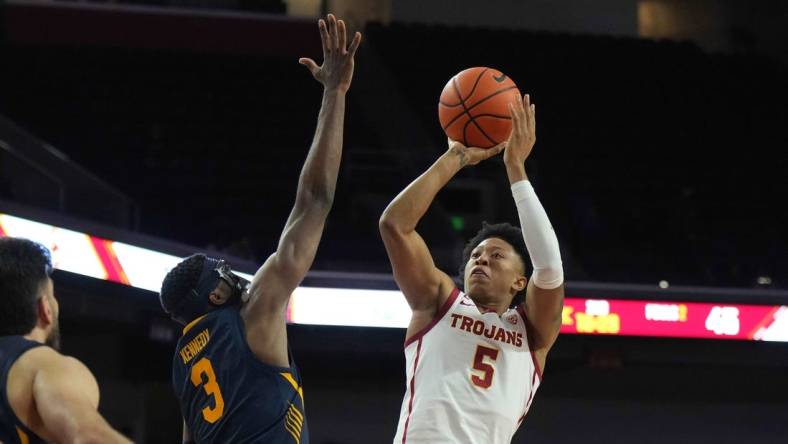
(144, 268)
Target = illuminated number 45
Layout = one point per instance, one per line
(483, 371)
(723, 321)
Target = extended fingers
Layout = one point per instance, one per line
(342, 35)
(533, 117)
(310, 64)
(525, 109)
(515, 114)
(354, 44)
(333, 33)
(321, 24)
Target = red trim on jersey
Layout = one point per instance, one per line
(530, 397)
(530, 340)
(438, 316)
(412, 392)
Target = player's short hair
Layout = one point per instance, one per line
(180, 281)
(509, 233)
(24, 267)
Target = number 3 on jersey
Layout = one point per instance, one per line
(211, 387)
(483, 371)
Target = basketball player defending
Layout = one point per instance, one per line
(475, 359)
(44, 396)
(232, 370)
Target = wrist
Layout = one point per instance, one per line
(334, 91)
(515, 171)
(457, 157)
(452, 161)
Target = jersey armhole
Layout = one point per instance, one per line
(438, 316)
(529, 339)
(240, 331)
(19, 426)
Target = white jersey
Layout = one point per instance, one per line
(471, 377)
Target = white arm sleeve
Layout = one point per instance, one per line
(539, 237)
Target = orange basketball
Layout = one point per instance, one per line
(473, 108)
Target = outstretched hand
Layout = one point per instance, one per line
(336, 72)
(523, 136)
(472, 155)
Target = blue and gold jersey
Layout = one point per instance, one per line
(226, 394)
(12, 431)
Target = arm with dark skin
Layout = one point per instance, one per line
(281, 273)
(543, 306)
(425, 286)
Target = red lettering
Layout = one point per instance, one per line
(519, 342)
(466, 323)
(510, 337)
(454, 318)
(500, 335)
(478, 327)
(490, 332)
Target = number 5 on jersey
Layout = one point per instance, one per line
(211, 387)
(483, 370)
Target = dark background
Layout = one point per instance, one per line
(656, 160)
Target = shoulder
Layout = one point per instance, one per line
(48, 360)
(41, 356)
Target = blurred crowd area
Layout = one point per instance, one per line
(655, 160)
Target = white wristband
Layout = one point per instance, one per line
(539, 236)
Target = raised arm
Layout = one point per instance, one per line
(425, 287)
(66, 395)
(285, 269)
(544, 298)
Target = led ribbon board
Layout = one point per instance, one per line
(93, 256)
(675, 319)
(99, 258)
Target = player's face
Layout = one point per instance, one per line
(53, 335)
(493, 270)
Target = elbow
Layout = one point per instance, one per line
(387, 224)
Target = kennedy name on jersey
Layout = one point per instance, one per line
(194, 346)
(479, 328)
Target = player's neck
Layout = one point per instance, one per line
(490, 306)
(37, 335)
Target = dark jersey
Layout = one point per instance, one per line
(12, 431)
(226, 394)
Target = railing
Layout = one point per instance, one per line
(39, 175)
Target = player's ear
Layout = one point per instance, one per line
(217, 298)
(219, 295)
(520, 283)
(46, 313)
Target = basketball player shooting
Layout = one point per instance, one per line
(232, 371)
(474, 360)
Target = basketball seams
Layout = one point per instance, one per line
(465, 129)
(496, 116)
(475, 84)
(500, 91)
(467, 107)
(465, 111)
(459, 97)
